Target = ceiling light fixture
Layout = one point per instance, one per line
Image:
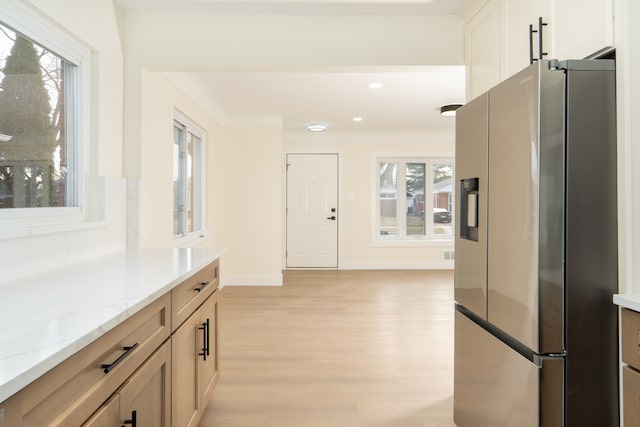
(375, 85)
(358, 119)
(316, 127)
(449, 110)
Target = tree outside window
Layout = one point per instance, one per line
(414, 199)
(33, 144)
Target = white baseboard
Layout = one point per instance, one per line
(397, 265)
(251, 280)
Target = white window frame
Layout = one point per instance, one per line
(18, 222)
(427, 240)
(186, 237)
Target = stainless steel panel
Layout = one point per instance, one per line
(591, 254)
(493, 385)
(471, 162)
(552, 211)
(513, 296)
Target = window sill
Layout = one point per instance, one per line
(190, 240)
(419, 243)
(17, 232)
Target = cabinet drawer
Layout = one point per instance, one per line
(69, 393)
(190, 294)
(631, 337)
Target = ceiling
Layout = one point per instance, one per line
(405, 108)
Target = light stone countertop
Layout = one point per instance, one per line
(46, 318)
(630, 301)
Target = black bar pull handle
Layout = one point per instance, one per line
(541, 51)
(208, 342)
(531, 31)
(204, 353)
(132, 421)
(202, 286)
(127, 351)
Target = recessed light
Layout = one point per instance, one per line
(375, 85)
(358, 119)
(449, 110)
(316, 127)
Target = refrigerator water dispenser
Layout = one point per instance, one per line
(469, 209)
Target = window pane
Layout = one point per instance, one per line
(415, 198)
(197, 183)
(442, 197)
(388, 203)
(35, 112)
(193, 220)
(178, 138)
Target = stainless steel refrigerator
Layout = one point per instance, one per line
(536, 250)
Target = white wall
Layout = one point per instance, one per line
(627, 43)
(159, 99)
(355, 249)
(253, 204)
(95, 24)
(243, 200)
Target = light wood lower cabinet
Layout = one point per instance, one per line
(146, 396)
(138, 370)
(144, 400)
(631, 373)
(71, 392)
(195, 357)
(631, 392)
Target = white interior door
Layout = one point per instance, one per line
(312, 210)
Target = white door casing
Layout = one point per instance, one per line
(312, 202)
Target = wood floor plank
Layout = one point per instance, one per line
(337, 348)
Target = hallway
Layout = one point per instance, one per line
(337, 348)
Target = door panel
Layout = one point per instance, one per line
(312, 200)
(108, 415)
(516, 16)
(148, 391)
(209, 369)
(512, 267)
(493, 384)
(471, 163)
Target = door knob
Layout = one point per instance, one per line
(332, 218)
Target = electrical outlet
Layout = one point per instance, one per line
(449, 255)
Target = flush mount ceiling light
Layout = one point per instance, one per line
(375, 85)
(449, 109)
(316, 127)
(357, 119)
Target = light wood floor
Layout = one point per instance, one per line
(337, 348)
